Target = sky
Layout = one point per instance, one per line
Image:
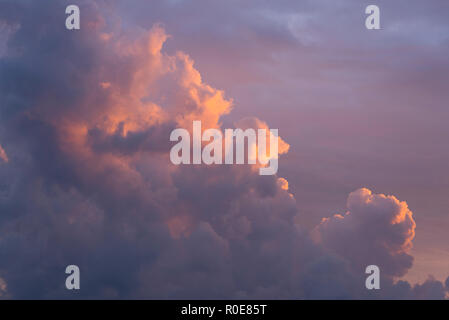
(86, 179)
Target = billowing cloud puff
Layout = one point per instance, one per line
(376, 229)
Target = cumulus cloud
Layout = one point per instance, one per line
(376, 229)
(92, 183)
(97, 132)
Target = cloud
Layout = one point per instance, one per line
(88, 115)
(376, 229)
(103, 151)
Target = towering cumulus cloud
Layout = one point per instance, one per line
(87, 117)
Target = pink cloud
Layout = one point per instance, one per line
(376, 229)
